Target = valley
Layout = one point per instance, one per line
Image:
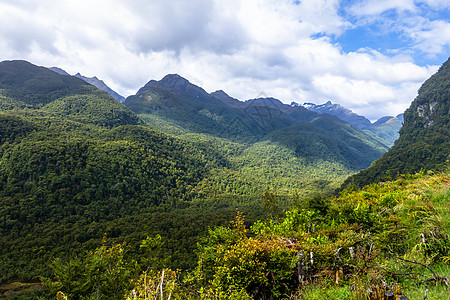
(152, 184)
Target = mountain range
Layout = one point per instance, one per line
(315, 136)
(173, 160)
(387, 128)
(75, 163)
(94, 81)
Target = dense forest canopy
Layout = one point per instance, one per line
(92, 185)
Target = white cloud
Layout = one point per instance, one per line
(436, 4)
(370, 7)
(431, 37)
(242, 47)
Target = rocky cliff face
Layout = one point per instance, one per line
(424, 141)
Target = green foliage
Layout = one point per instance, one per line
(75, 164)
(156, 285)
(424, 140)
(271, 204)
(102, 273)
(357, 244)
(230, 259)
(153, 255)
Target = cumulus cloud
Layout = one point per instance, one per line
(287, 49)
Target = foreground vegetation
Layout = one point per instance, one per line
(390, 238)
(97, 203)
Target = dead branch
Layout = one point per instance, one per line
(437, 277)
(426, 295)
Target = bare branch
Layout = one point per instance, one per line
(418, 263)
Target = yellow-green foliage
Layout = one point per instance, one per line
(156, 285)
(386, 238)
(357, 241)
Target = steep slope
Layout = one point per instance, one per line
(102, 86)
(329, 138)
(424, 140)
(36, 86)
(176, 100)
(24, 85)
(94, 81)
(74, 165)
(386, 128)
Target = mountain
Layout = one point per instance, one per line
(386, 128)
(94, 81)
(59, 71)
(24, 85)
(76, 164)
(424, 141)
(341, 112)
(175, 100)
(102, 86)
(176, 84)
(230, 101)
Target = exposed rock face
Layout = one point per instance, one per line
(424, 141)
(425, 111)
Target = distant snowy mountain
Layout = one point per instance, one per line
(386, 128)
(341, 112)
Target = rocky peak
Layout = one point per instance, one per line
(59, 71)
(340, 112)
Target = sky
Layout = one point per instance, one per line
(370, 56)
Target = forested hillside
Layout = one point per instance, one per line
(76, 164)
(424, 141)
(175, 101)
(98, 198)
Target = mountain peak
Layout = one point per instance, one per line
(101, 85)
(176, 84)
(341, 112)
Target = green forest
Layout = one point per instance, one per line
(177, 194)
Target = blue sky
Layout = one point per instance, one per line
(369, 56)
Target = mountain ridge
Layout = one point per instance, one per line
(386, 127)
(92, 80)
(176, 100)
(424, 141)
